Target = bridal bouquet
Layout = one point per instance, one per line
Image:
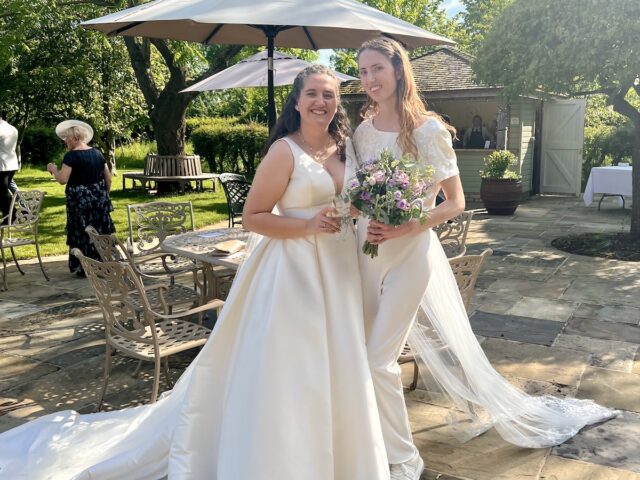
(389, 190)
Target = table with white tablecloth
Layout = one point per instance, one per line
(608, 181)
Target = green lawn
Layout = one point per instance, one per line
(208, 207)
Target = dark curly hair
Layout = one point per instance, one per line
(289, 120)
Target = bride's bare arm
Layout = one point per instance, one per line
(267, 188)
(452, 206)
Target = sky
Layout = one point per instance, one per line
(452, 7)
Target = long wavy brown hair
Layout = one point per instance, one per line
(289, 120)
(409, 105)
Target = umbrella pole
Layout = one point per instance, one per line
(271, 107)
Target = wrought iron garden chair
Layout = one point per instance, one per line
(466, 270)
(21, 228)
(111, 249)
(149, 224)
(147, 335)
(236, 189)
(453, 234)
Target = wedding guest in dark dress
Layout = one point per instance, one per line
(88, 181)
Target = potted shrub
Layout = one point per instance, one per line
(501, 188)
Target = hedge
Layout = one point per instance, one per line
(40, 145)
(230, 148)
(195, 122)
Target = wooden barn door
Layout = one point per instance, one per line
(562, 140)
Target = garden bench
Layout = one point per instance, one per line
(181, 169)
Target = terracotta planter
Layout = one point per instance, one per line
(500, 196)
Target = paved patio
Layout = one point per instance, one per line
(551, 322)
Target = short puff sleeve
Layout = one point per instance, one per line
(436, 147)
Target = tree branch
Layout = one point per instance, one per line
(606, 91)
(140, 55)
(169, 58)
(220, 63)
(623, 107)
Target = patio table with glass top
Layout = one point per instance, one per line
(201, 246)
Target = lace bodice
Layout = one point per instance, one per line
(434, 148)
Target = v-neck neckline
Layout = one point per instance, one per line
(333, 180)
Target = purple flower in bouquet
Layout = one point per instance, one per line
(366, 196)
(419, 188)
(397, 195)
(353, 183)
(402, 204)
(379, 176)
(401, 179)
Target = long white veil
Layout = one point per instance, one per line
(448, 352)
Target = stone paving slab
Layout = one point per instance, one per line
(609, 354)
(603, 330)
(9, 310)
(603, 292)
(429, 474)
(486, 457)
(491, 302)
(517, 328)
(537, 362)
(557, 468)
(505, 270)
(544, 309)
(77, 387)
(612, 389)
(615, 443)
(579, 266)
(552, 288)
(609, 313)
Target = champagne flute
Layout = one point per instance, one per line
(342, 205)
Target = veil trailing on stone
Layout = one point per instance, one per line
(453, 364)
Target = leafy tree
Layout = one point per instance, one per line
(477, 18)
(577, 47)
(184, 64)
(427, 14)
(58, 71)
(15, 15)
(247, 104)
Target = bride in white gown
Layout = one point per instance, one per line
(282, 390)
(411, 274)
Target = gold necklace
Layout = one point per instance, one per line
(320, 156)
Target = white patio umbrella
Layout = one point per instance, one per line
(253, 72)
(286, 23)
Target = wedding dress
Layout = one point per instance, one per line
(450, 358)
(281, 391)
